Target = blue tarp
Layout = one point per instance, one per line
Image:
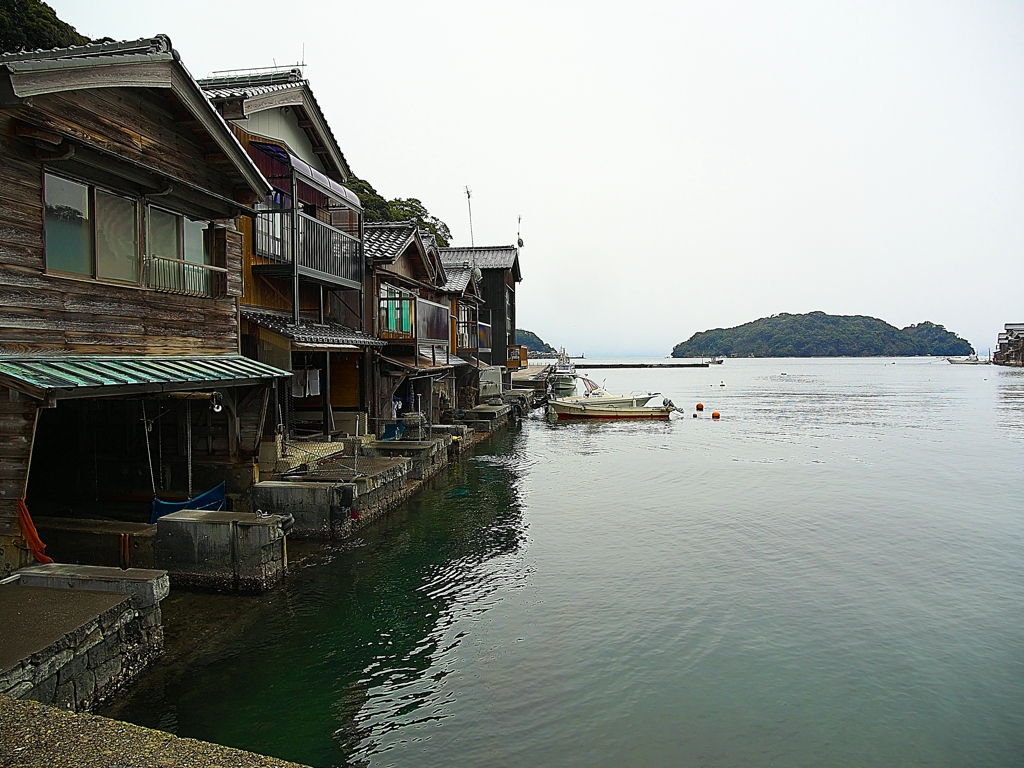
(214, 500)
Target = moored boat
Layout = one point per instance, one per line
(565, 409)
(971, 359)
(595, 394)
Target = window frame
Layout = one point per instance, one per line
(142, 208)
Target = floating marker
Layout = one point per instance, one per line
(715, 415)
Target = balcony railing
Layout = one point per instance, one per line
(467, 336)
(185, 277)
(410, 318)
(325, 252)
(397, 319)
(432, 322)
(484, 335)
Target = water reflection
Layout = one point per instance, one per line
(1011, 398)
(350, 640)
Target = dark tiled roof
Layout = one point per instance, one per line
(485, 257)
(329, 334)
(147, 46)
(458, 278)
(246, 92)
(385, 240)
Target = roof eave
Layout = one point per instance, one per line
(158, 70)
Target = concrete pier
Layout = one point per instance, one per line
(221, 550)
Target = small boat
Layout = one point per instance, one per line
(564, 410)
(562, 376)
(715, 361)
(971, 359)
(595, 394)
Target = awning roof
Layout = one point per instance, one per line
(64, 378)
(311, 175)
(419, 364)
(328, 336)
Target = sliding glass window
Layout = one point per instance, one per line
(117, 238)
(69, 243)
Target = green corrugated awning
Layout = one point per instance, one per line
(63, 378)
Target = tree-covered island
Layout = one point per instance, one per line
(534, 343)
(817, 334)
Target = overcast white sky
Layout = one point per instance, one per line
(678, 166)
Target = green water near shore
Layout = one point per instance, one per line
(834, 573)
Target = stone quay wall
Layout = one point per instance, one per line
(87, 665)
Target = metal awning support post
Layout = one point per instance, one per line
(295, 249)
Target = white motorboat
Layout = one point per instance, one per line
(596, 395)
(971, 359)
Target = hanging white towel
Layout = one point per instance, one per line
(298, 383)
(313, 383)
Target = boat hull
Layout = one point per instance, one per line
(565, 411)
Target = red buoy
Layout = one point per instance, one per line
(700, 406)
(716, 415)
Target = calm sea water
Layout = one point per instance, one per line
(831, 574)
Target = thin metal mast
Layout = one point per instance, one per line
(469, 204)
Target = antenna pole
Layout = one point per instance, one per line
(469, 204)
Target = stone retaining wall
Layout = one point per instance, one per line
(88, 665)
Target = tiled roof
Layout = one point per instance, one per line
(458, 278)
(485, 257)
(246, 92)
(385, 240)
(247, 86)
(147, 46)
(90, 62)
(326, 335)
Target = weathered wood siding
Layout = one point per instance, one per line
(48, 314)
(17, 426)
(142, 125)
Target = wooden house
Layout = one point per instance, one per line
(121, 376)
(413, 317)
(303, 275)
(499, 269)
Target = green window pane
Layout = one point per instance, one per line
(117, 254)
(68, 226)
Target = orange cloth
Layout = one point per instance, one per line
(28, 530)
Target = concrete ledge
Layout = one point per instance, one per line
(73, 648)
(317, 506)
(34, 736)
(147, 587)
(222, 550)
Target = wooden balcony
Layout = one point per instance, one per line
(413, 320)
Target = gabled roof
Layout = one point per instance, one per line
(484, 257)
(144, 63)
(458, 278)
(255, 92)
(385, 241)
(311, 335)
